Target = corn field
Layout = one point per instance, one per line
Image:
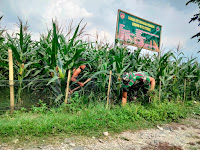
(41, 67)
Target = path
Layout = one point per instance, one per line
(173, 136)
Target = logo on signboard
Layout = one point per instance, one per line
(122, 15)
(157, 29)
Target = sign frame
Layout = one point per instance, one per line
(116, 33)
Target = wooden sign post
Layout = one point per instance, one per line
(11, 82)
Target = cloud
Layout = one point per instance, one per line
(40, 13)
(65, 10)
(174, 21)
(101, 36)
(12, 29)
(35, 36)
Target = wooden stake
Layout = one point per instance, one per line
(159, 89)
(67, 88)
(11, 82)
(159, 80)
(184, 91)
(109, 88)
(159, 55)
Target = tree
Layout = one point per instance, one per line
(195, 17)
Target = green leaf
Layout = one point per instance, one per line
(28, 72)
(73, 38)
(16, 54)
(3, 64)
(170, 77)
(21, 37)
(53, 80)
(59, 97)
(191, 76)
(36, 73)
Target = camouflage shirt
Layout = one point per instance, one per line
(136, 80)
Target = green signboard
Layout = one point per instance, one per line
(138, 32)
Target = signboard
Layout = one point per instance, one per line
(138, 32)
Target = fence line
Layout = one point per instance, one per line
(47, 80)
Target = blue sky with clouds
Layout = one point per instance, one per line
(101, 16)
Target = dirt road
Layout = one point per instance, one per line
(173, 136)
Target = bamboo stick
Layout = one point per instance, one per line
(184, 91)
(159, 80)
(67, 88)
(11, 82)
(159, 89)
(109, 88)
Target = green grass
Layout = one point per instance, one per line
(91, 120)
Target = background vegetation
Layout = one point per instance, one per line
(40, 67)
(40, 73)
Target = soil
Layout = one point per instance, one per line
(173, 136)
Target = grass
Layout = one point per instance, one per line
(91, 120)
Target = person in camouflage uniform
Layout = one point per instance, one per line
(132, 82)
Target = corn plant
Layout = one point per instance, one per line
(3, 55)
(57, 56)
(50, 58)
(21, 46)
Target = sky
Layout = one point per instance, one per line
(101, 18)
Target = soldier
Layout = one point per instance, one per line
(132, 82)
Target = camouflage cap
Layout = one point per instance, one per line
(126, 78)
